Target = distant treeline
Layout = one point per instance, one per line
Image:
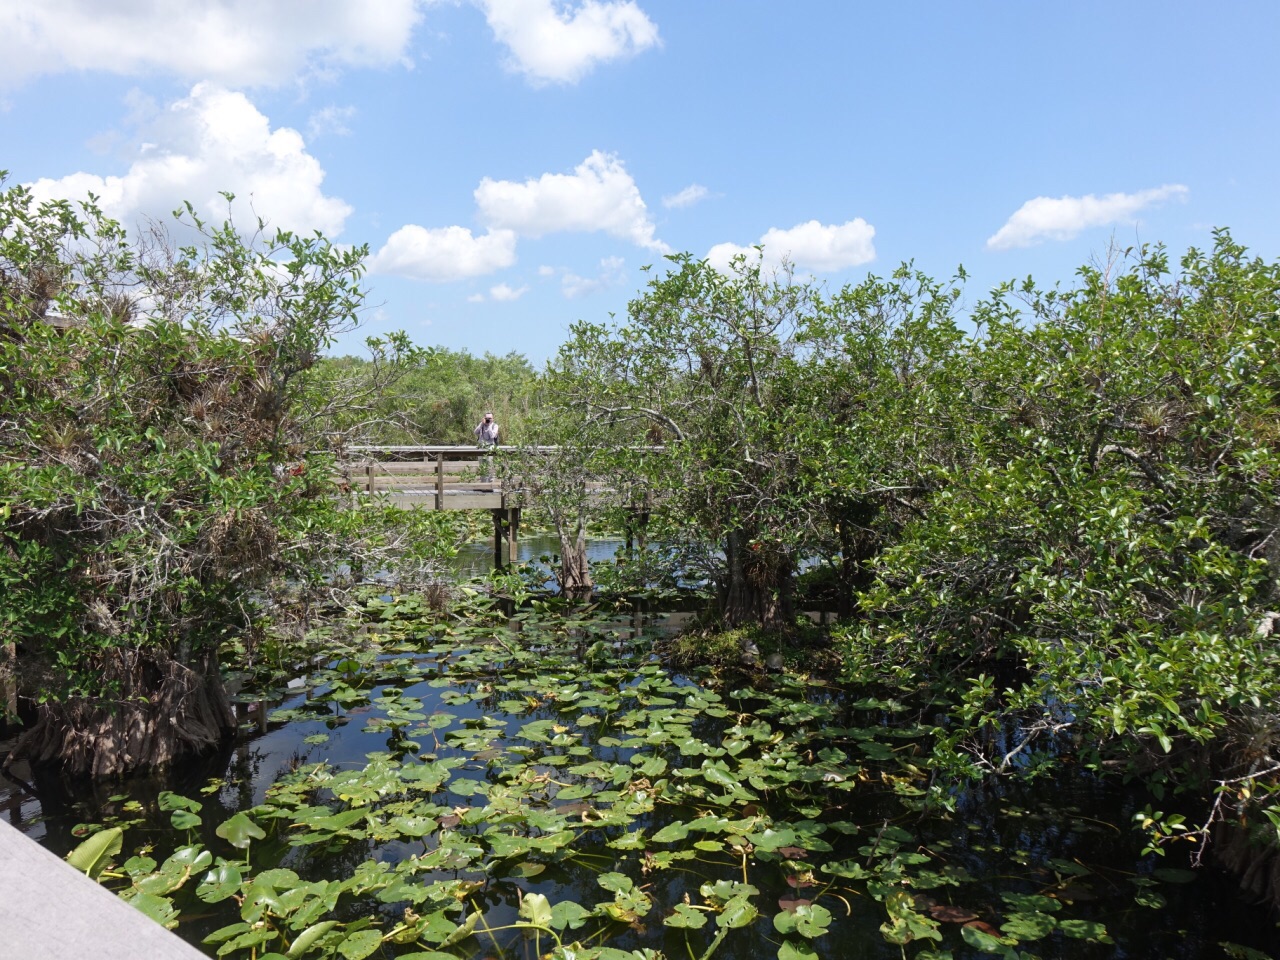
(439, 400)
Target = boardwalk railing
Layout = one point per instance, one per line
(438, 477)
(429, 477)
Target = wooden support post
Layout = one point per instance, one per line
(497, 538)
(372, 483)
(440, 482)
(513, 535)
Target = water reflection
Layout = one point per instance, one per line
(475, 559)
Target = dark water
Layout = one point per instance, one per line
(1069, 837)
(476, 559)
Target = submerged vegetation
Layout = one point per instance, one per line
(1039, 532)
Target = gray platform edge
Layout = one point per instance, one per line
(51, 911)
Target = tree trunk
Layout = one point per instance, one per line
(740, 599)
(575, 573)
(759, 585)
(168, 711)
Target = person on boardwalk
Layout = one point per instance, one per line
(486, 432)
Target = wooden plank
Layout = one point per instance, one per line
(418, 468)
(430, 483)
(452, 501)
(479, 501)
(51, 911)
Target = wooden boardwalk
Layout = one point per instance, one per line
(428, 477)
(439, 478)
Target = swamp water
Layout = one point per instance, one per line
(466, 791)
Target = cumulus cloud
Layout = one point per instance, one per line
(443, 253)
(1061, 218)
(551, 45)
(687, 197)
(611, 275)
(808, 246)
(504, 293)
(234, 42)
(211, 141)
(328, 120)
(598, 196)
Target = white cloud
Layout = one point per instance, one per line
(476, 298)
(1047, 218)
(443, 253)
(553, 45)
(330, 119)
(504, 293)
(546, 271)
(598, 196)
(235, 42)
(611, 275)
(687, 197)
(808, 246)
(213, 140)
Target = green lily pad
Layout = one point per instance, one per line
(685, 916)
(738, 912)
(360, 944)
(239, 831)
(220, 883)
(159, 909)
(792, 950)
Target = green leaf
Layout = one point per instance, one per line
(220, 883)
(792, 950)
(239, 831)
(309, 937)
(535, 908)
(568, 913)
(983, 941)
(615, 882)
(168, 800)
(738, 912)
(1084, 930)
(1028, 926)
(92, 856)
(360, 944)
(685, 916)
(184, 820)
(671, 833)
(159, 909)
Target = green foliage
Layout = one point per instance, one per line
(1098, 548)
(1062, 522)
(153, 466)
(438, 400)
(165, 473)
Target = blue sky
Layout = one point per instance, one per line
(512, 164)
